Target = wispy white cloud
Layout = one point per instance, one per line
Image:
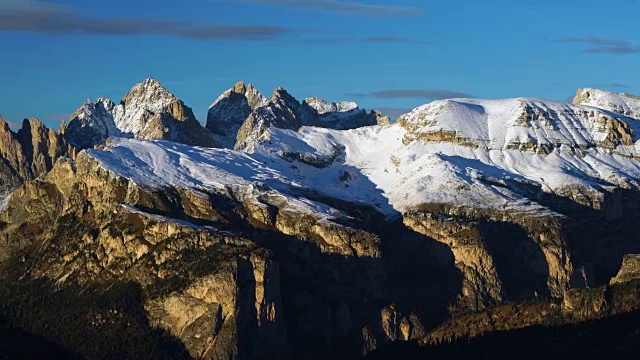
(48, 18)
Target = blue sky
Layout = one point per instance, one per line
(382, 54)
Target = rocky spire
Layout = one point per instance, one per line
(27, 154)
(227, 114)
(41, 146)
(281, 111)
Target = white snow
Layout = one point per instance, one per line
(389, 168)
(127, 119)
(624, 104)
(323, 106)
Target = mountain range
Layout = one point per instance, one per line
(300, 229)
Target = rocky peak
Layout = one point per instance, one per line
(342, 115)
(281, 111)
(41, 146)
(92, 124)
(230, 110)
(285, 108)
(13, 165)
(148, 111)
(149, 91)
(27, 154)
(231, 116)
(623, 104)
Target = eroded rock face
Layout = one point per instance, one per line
(149, 111)
(216, 290)
(215, 316)
(227, 114)
(623, 104)
(241, 115)
(514, 259)
(27, 154)
(630, 269)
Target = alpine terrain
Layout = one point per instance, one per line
(314, 229)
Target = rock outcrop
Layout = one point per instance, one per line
(630, 269)
(623, 104)
(27, 154)
(321, 241)
(230, 110)
(149, 111)
(241, 115)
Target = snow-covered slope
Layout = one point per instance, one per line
(521, 124)
(148, 111)
(623, 104)
(462, 154)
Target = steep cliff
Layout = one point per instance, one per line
(323, 241)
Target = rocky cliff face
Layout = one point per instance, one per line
(147, 112)
(27, 154)
(229, 111)
(241, 115)
(324, 241)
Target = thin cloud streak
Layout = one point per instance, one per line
(600, 45)
(342, 7)
(430, 94)
(42, 17)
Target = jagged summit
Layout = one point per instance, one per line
(148, 111)
(241, 115)
(150, 92)
(230, 110)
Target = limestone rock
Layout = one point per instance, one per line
(148, 111)
(585, 303)
(630, 269)
(27, 154)
(623, 104)
(227, 114)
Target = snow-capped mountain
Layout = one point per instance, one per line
(460, 153)
(148, 111)
(241, 115)
(342, 115)
(459, 206)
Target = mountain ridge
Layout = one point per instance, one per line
(315, 241)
